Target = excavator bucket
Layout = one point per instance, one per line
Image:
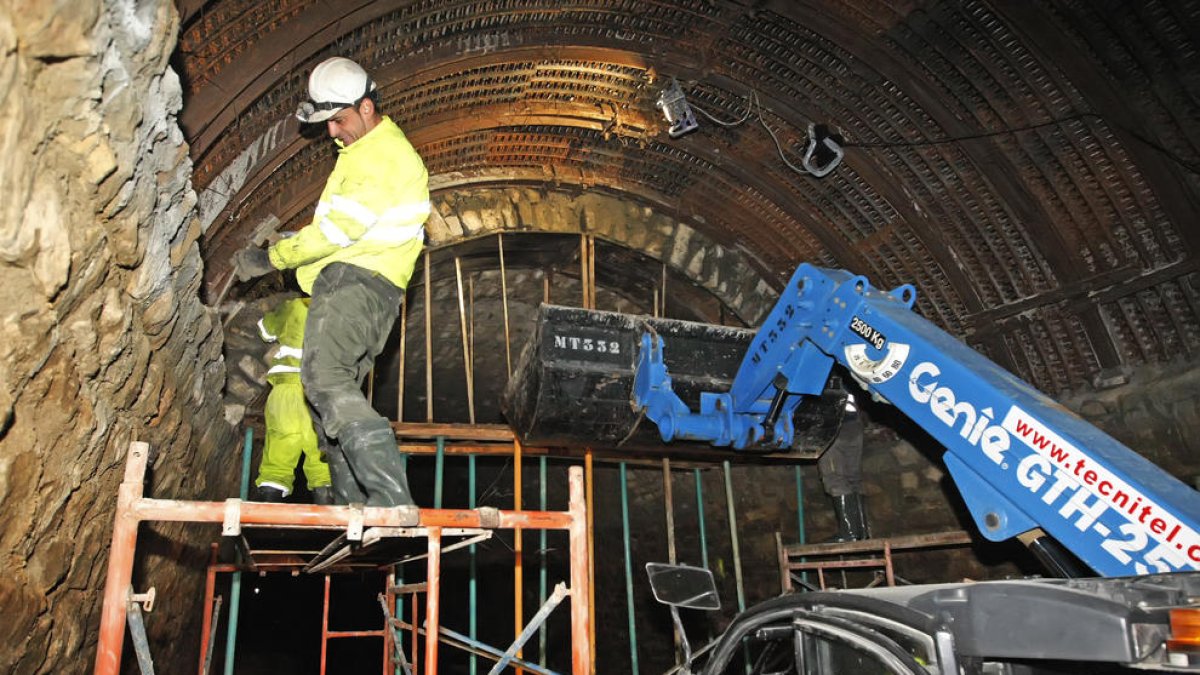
(573, 383)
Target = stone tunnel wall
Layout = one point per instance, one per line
(103, 338)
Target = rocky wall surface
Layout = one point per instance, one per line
(103, 338)
(728, 272)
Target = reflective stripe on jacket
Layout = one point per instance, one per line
(285, 324)
(371, 214)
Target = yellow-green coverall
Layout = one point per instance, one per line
(289, 426)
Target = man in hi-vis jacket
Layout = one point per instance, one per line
(355, 259)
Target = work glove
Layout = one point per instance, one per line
(251, 262)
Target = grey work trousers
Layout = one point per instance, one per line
(352, 312)
(841, 465)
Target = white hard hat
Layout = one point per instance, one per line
(334, 84)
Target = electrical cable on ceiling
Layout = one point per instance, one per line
(820, 142)
(753, 103)
(1192, 166)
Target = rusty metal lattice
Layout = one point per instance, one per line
(1003, 233)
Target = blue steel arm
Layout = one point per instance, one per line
(1021, 460)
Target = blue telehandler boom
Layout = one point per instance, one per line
(1025, 465)
(1021, 461)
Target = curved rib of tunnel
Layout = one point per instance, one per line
(1032, 168)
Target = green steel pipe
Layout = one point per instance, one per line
(247, 450)
(800, 513)
(542, 564)
(235, 584)
(700, 513)
(633, 652)
(473, 623)
(437, 472)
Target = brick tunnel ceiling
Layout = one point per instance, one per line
(1031, 167)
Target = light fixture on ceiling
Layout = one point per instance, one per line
(823, 149)
(676, 110)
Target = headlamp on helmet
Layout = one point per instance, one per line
(336, 83)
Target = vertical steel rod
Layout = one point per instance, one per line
(591, 555)
(663, 293)
(416, 637)
(400, 373)
(472, 583)
(737, 554)
(591, 271)
(120, 563)
(433, 600)
(439, 466)
(669, 507)
(428, 348)
(887, 556)
(700, 514)
(504, 304)
(462, 321)
(325, 626)
(785, 574)
(800, 516)
(633, 650)
(542, 561)
(471, 341)
(581, 628)
(518, 551)
(733, 536)
(583, 271)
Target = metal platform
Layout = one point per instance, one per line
(864, 554)
(351, 535)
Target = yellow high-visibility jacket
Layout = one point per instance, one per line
(371, 214)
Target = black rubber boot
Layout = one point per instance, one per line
(268, 494)
(322, 495)
(346, 489)
(851, 515)
(370, 447)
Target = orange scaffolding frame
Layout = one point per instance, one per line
(133, 508)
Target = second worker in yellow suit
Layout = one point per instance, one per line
(290, 432)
